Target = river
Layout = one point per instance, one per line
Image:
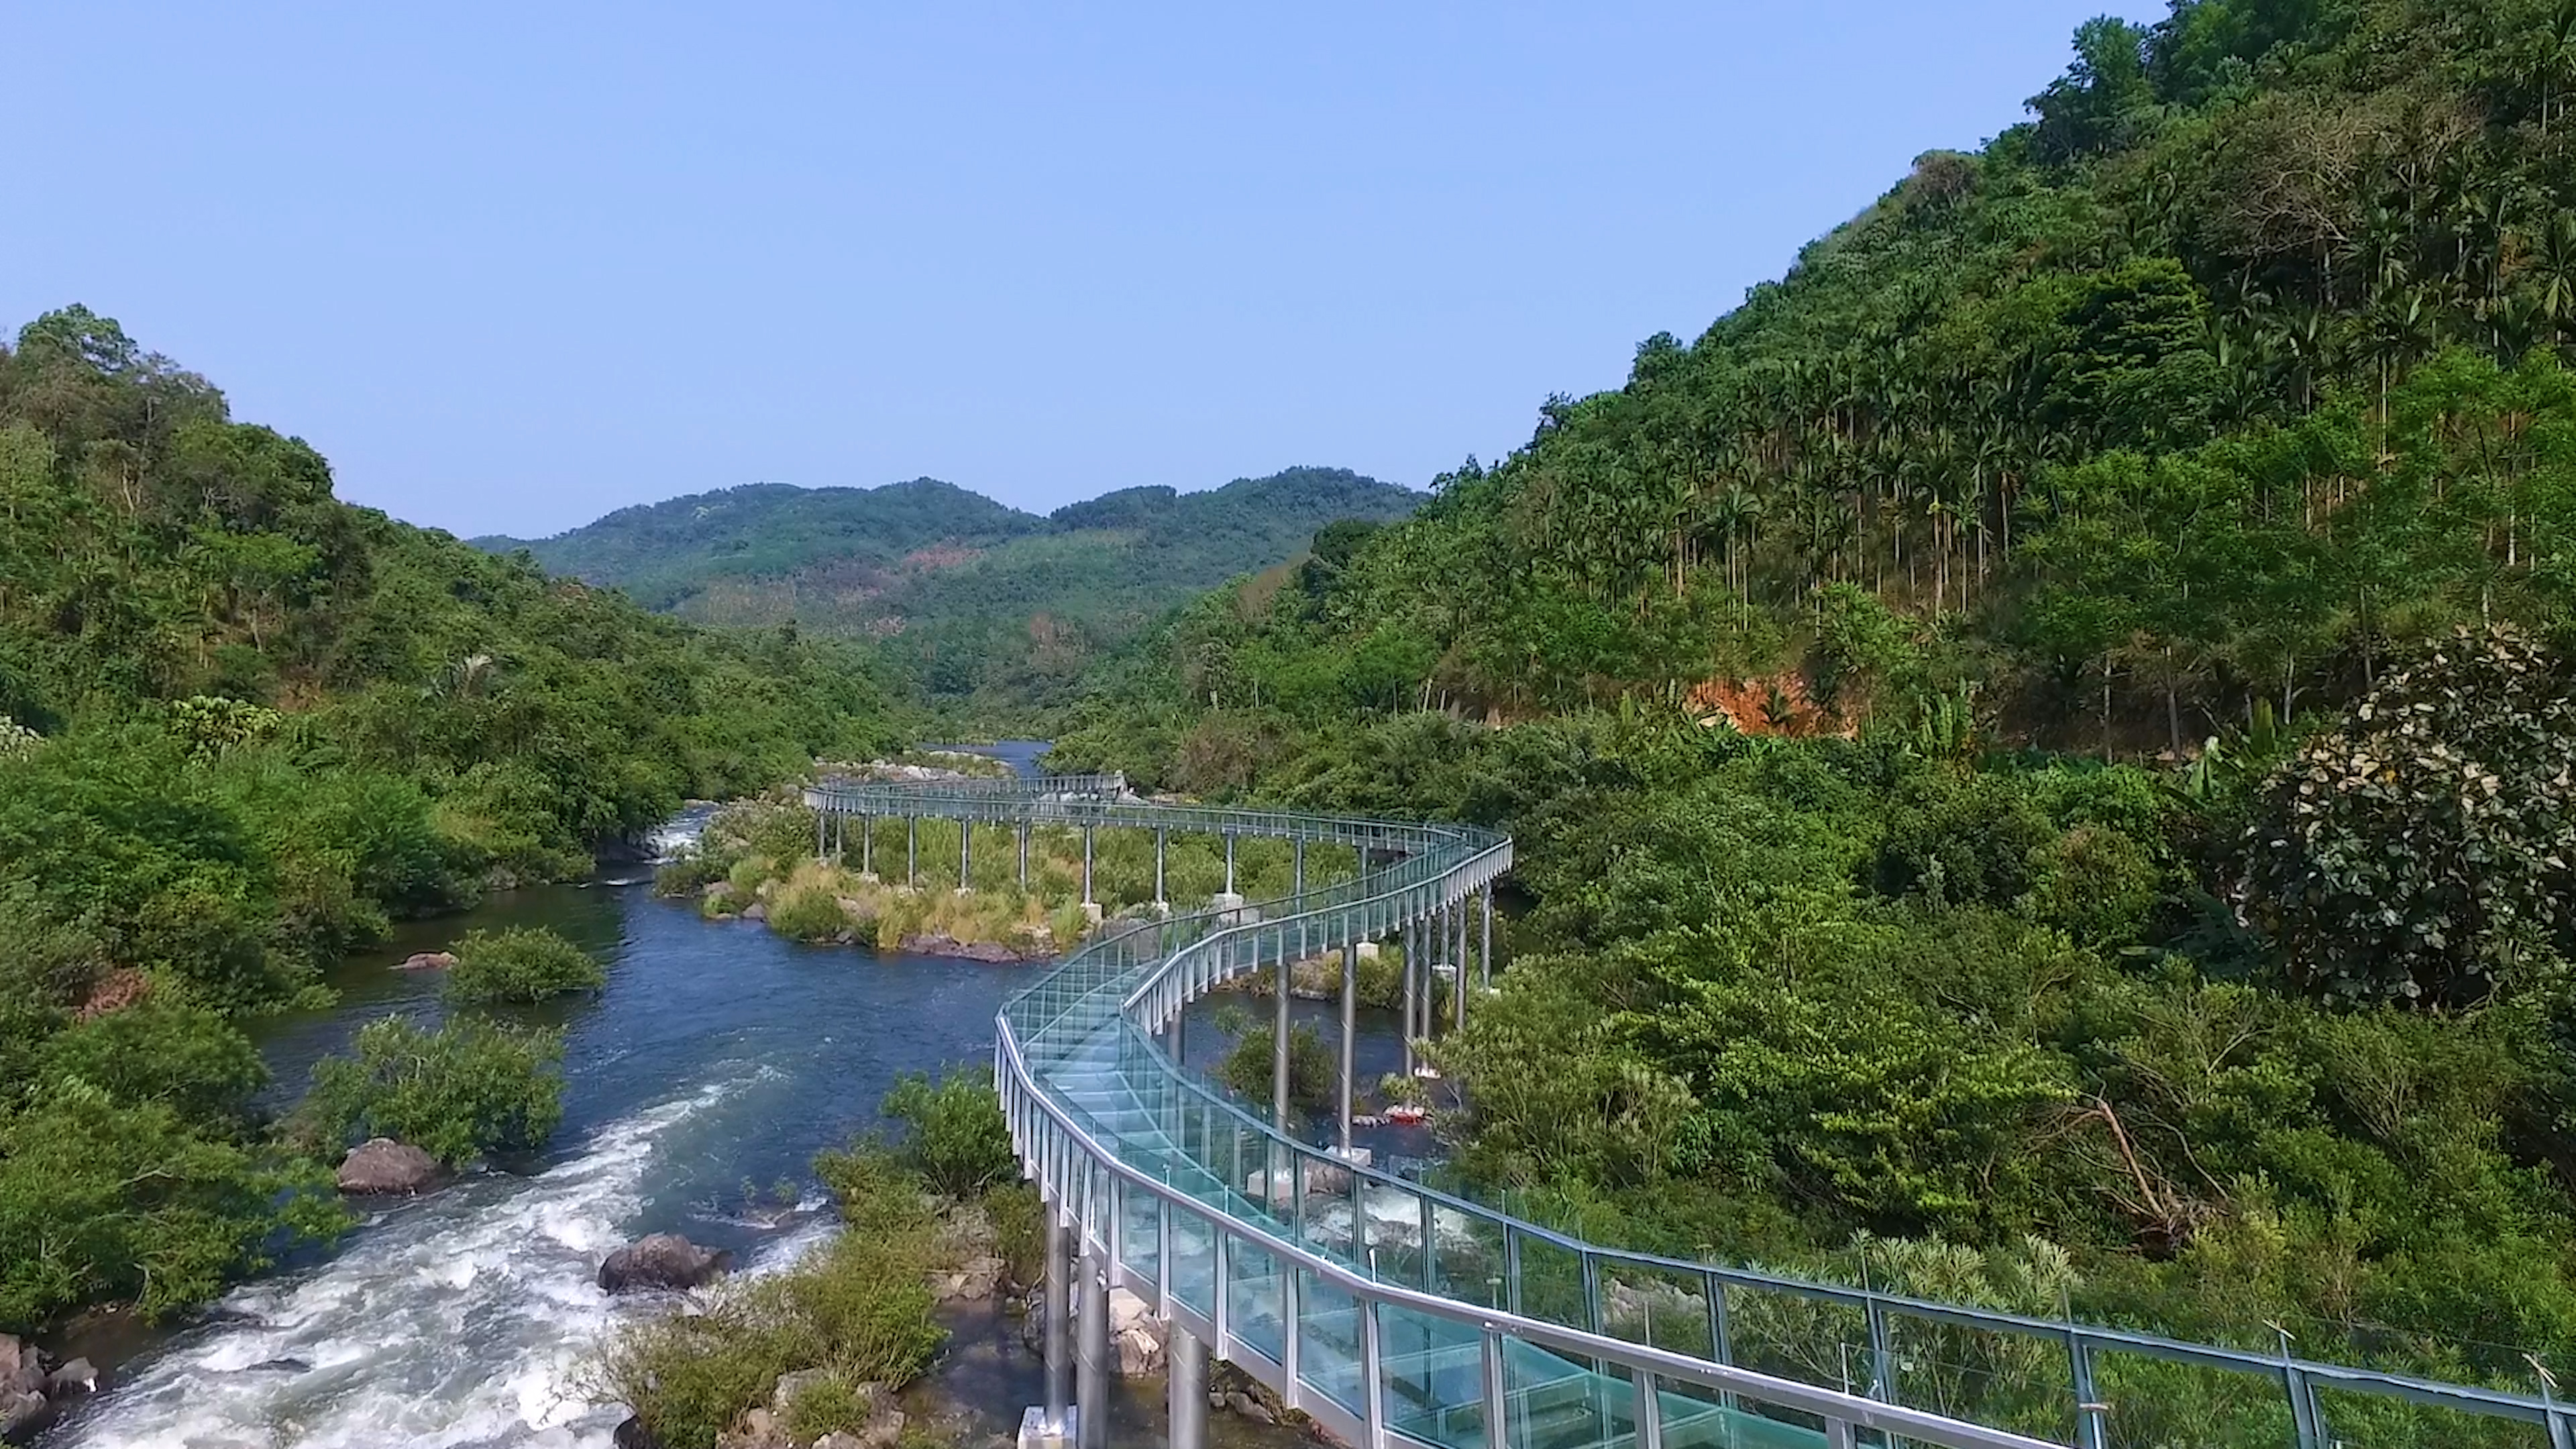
(698, 1088)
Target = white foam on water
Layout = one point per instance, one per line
(459, 1321)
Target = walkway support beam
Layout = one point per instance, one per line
(1350, 1030)
(912, 852)
(1485, 949)
(1279, 1048)
(1189, 1366)
(1094, 1367)
(1058, 1316)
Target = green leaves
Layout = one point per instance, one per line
(2423, 848)
(520, 965)
(464, 1091)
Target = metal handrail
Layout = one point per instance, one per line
(1442, 864)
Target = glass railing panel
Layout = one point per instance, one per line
(1551, 1402)
(1467, 1257)
(1696, 1417)
(1666, 1308)
(1550, 1283)
(1432, 1375)
(1193, 1261)
(1328, 1342)
(1800, 1336)
(2153, 1401)
(1392, 1220)
(1252, 1299)
(1140, 1235)
(2022, 1382)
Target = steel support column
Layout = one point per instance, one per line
(1189, 1366)
(1485, 950)
(1279, 1049)
(1457, 926)
(1024, 855)
(1058, 1311)
(965, 856)
(867, 845)
(1162, 842)
(1298, 886)
(1094, 1366)
(1412, 997)
(1086, 864)
(912, 851)
(1350, 1030)
(1229, 864)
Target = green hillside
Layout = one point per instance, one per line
(2040, 746)
(974, 597)
(243, 727)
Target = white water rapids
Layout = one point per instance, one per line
(460, 1320)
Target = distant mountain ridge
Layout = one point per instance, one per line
(977, 596)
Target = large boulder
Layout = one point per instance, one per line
(381, 1167)
(426, 961)
(1135, 1335)
(22, 1384)
(664, 1261)
(79, 1376)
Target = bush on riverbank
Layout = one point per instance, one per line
(859, 1308)
(466, 1090)
(956, 1138)
(520, 965)
(1314, 1072)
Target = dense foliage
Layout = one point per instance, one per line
(243, 727)
(970, 597)
(464, 1091)
(2240, 365)
(2219, 419)
(520, 965)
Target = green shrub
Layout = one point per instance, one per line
(468, 1089)
(826, 1406)
(859, 1306)
(519, 965)
(686, 876)
(1314, 1073)
(102, 1200)
(956, 1137)
(2420, 848)
(192, 1061)
(808, 913)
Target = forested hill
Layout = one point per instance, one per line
(2219, 421)
(2234, 366)
(975, 596)
(243, 726)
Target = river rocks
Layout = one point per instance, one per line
(1137, 1336)
(991, 952)
(661, 1261)
(1246, 1406)
(79, 1376)
(972, 1281)
(27, 1391)
(382, 1167)
(756, 911)
(426, 961)
(631, 1434)
(756, 1429)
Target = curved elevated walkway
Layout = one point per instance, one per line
(1398, 1315)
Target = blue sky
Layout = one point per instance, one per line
(514, 266)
